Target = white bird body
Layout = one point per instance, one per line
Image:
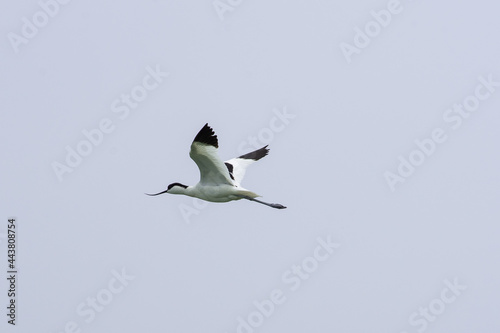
(214, 193)
(219, 181)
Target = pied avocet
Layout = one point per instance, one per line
(219, 181)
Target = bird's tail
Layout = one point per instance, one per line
(248, 193)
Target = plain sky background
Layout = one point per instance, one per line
(351, 123)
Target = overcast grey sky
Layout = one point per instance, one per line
(382, 122)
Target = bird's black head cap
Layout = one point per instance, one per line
(176, 184)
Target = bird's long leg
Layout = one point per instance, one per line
(274, 205)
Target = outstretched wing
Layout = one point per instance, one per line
(237, 166)
(204, 154)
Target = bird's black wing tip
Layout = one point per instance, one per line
(207, 136)
(256, 154)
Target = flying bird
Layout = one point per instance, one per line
(219, 181)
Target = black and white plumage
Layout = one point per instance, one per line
(219, 181)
